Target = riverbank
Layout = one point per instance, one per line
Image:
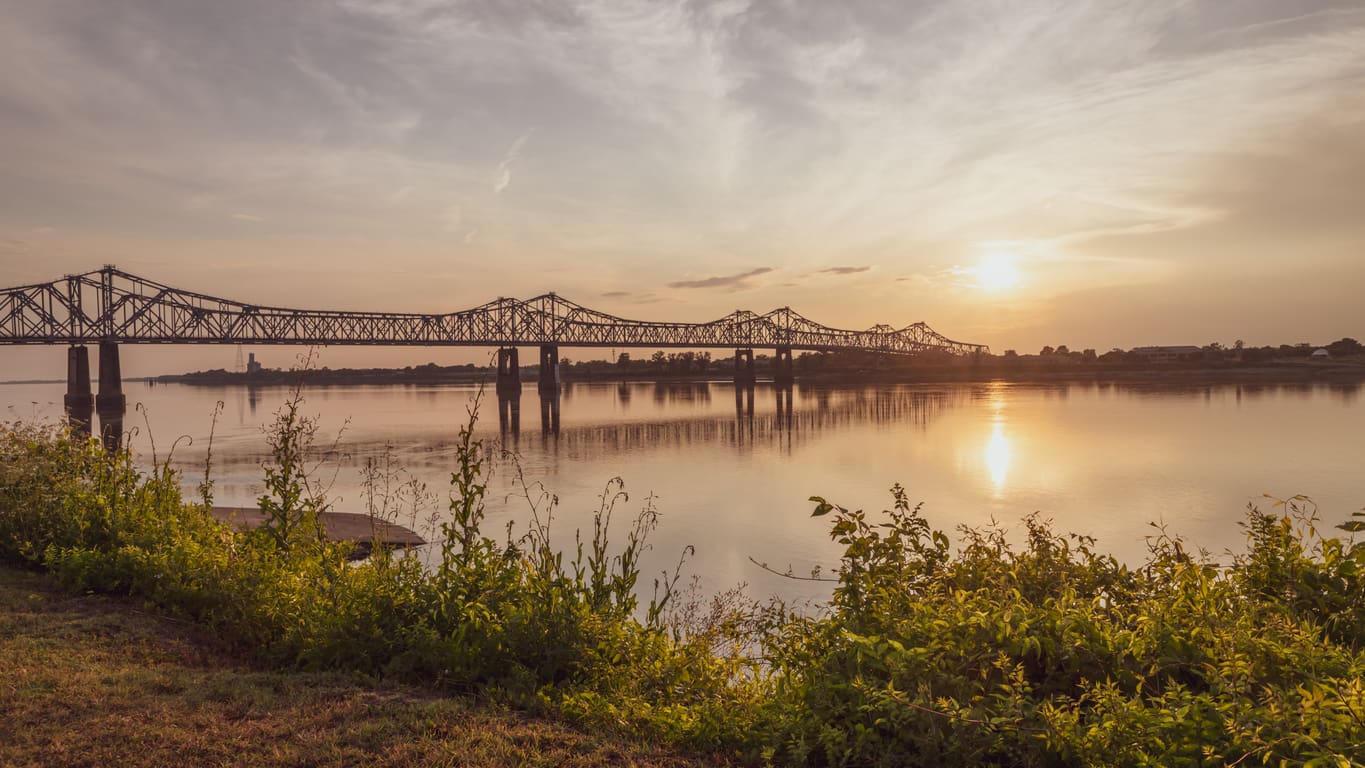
(87, 680)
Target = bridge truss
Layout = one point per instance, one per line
(109, 305)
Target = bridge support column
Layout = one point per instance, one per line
(110, 398)
(744, 367)
(79, 403)
(783, 370)
(509, 371)
(110, 403)
(549, 368)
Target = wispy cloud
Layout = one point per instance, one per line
(503, 177)
(842, 270)
(615, 294)
(731, 282)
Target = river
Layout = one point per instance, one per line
(733, 478)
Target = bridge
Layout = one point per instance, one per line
(109, 307)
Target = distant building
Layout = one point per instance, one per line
(1168, 354)
(251, 365)
(1320, 354)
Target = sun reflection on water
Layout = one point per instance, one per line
(998, 446)
(998, 456)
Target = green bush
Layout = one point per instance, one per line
(1054, 655)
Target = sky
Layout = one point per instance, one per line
(1023, 173)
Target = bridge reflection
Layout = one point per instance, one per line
(782, 424)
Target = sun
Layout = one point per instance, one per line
(996, 272)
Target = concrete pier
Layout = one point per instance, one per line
(110, 402)
(783, 370)
(549, 368)
(79, 403)
(509, 371)
(110, 398)
(744, 366)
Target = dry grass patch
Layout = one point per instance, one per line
(94, 681)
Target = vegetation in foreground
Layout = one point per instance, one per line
(1042, 654)
(93, 681)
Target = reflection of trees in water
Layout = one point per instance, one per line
(784, 425)
(1345, 391)
(682, 392)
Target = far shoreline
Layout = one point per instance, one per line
(1277, 373)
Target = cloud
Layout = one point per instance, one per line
(937, 276)
(615, 294)
(842, 270)
(732, 282)
(503, 177)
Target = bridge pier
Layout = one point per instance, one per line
(110, 398)
(509, 371)
(79, 403)
(783, 370)
(110, 403)
(549, 368)
(744, 366)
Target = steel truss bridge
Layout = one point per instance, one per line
(109, 305)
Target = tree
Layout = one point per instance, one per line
(1062, 350)
(1046, 351)
(1089, 355)
(623, 359)
(1346, 346)
(1011, 353)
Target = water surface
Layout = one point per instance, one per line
(732, 476)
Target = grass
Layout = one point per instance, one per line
(87, 680)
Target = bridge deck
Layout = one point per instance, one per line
(115, 307)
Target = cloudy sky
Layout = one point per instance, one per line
(1015, 173)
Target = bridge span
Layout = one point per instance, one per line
(109, 307)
